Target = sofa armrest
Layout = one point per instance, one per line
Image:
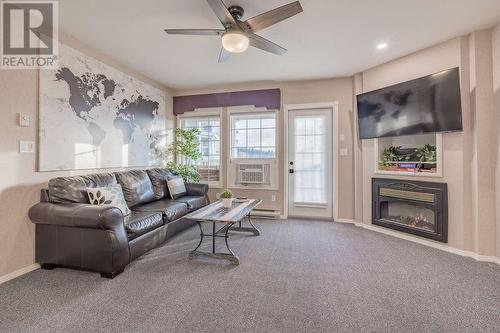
(197, 189)
(81, 235)
(77, 215)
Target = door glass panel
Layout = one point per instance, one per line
(310, 160)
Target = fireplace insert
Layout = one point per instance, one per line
(418, 208)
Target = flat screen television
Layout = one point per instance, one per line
(425, 105)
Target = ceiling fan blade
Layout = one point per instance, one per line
(266, 45)
(224, 55)
(222, 13)
(274, 16)
(196, 32)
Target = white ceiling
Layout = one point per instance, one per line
(331, 38)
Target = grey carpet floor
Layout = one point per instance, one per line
(298, 276)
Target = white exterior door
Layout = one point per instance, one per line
(310, 167)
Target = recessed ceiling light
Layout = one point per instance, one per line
(381, 46)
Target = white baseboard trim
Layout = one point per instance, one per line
(18, 273)
(340, 220)
(414, 239)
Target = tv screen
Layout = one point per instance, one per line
(424, 105)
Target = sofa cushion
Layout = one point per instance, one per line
(176, 187)
(74, 189)
(171, 209)
(158, 177)
(193, 202)
(110, 195)
(139, 223)
(197, 189)
(137, 187)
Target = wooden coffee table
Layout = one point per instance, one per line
(215, 213)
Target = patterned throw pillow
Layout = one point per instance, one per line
(110, 195)
(176, 187)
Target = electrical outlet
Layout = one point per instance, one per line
(217, 195)
(343, 152)
(273, 197)
(26, 146)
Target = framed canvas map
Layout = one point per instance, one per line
(94, 116)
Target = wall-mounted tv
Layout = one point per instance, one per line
(425, 105)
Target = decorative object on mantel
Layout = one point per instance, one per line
(268, 98)
(94, 116)
(420, 159)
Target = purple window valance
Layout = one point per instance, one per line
(269, 98)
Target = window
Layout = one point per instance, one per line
(253, 135)
(310, 156)
(209, 164)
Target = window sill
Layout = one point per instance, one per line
(212, 185)
(310, 205)
(243, 159)
(253, 188)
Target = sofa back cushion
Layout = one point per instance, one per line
(158, 177)
(74, 189)
(137, 188)
(176, 187)
(109, 195)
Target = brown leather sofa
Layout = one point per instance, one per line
(72, 233)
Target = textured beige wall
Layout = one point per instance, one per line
(19, 182)
(484, 139)
(469, 157)
(421, 63)
(496, 91)
(300, 92)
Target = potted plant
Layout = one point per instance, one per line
(227, 199)
(427, 153)
(186, 151)
(389, 155)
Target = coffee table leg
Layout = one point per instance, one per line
(233, 258)
(257, 231)
(201, 236)
(253, 229)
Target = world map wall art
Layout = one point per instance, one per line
(94, 116)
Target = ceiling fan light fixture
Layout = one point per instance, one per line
(235, 41)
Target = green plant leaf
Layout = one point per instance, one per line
(226, 194)
(186, 151)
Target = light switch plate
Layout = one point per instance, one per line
(343, 152)
(342, 137)
(23, 120)
(26, 146)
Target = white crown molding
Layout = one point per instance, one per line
(411, 238)
(18, 273)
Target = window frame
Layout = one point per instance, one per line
(217, 112)
(235, 111)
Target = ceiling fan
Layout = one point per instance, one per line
(237, 35)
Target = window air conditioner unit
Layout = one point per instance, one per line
(253, 173)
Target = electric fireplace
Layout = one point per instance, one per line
(418, 208)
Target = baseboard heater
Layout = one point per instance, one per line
(266, 213)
